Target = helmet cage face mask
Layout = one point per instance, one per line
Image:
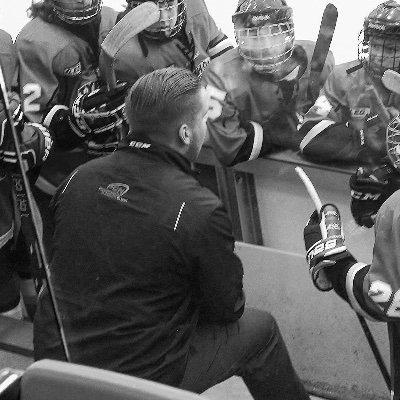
(265, 39)
(379, 52)
(169, 11)
(393, 142)
(72, 12)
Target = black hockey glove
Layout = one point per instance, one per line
(99, 111)
(35, 139)
(369, 188)
(324, 243)
(94, 111)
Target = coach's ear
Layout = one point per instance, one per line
(185, 134)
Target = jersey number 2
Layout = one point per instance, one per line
(31, 92)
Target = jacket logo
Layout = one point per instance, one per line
(115, 191)
(139, 145)
(74, 70)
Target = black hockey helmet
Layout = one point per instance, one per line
(379, 40)
(172, 18)
(264, 32)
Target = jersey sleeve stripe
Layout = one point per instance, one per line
(350, 277)
(47, 120)
(257, 141)
(315, 131)
(7, 236)
(220, 47)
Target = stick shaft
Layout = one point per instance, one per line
(310, 188)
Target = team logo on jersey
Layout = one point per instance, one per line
(74, 70)
(360, 112)
(115, 191)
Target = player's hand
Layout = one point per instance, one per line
(35, 139)
(369, 188)
(35, 146)
(324, 243)
(97, 110)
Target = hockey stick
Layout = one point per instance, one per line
(378, 357)
(23, 189)
(394, 342)
(321, 50)
(134, 22)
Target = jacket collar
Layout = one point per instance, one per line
(140, 143)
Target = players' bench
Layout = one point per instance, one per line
(56, 380)
(16, 336)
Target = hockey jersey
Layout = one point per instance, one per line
(332, 128)
(54, 63)
(247, 108)
(202, 41)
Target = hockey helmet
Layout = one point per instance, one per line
(172, 18)
(264, 33)
(379, 40)
(76, 11)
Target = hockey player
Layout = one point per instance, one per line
(343, 124)
(259, 90)
(36, 143)
(186, 36)
(58, 52)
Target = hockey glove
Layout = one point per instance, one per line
(99, 111)
(324, 243)
(369, 188)
(35, 139)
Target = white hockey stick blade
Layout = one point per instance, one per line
(134, 22)
(391, 81)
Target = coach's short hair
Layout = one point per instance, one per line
(164, 96)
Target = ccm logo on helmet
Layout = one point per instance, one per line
(321, 247)
(365, 196)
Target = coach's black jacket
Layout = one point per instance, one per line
(142, 252)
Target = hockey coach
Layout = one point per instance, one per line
(144, 269)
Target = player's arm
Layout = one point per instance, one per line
(219, 270)
(331, 265)
(219, 42)
(327, 134)
(232, 138)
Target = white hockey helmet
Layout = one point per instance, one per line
(264, 32)
(76, 11)
(172, 18)
(379, 40)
